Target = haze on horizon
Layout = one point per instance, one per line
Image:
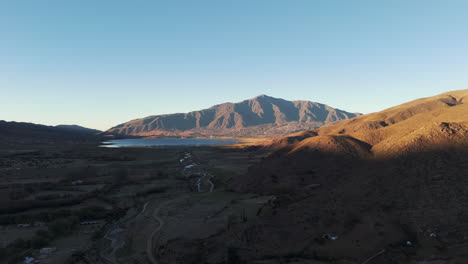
(101, 63)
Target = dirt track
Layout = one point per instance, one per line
(150, 243)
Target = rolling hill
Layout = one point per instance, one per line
(259, 116)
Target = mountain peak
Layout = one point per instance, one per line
(262, 114)
(262, 96)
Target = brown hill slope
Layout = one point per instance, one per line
(262, 115)
(392, 183)
(333, 145)
(402, 119)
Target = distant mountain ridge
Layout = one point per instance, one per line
(79, 129)
(262, 115)
(22, 133)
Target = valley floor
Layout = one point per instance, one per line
(84, 204)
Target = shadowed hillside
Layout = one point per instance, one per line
(260, 116)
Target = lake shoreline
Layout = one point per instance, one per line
(168, 142)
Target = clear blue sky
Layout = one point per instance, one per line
(101, 63)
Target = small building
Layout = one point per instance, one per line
(89, 223)
(29, 260)
(78, 182)
(190, 166)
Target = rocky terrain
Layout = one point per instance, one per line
(259, 116)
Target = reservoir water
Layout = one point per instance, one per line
(167, 142)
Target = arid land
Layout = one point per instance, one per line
(382, 188)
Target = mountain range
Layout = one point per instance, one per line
(259, 116)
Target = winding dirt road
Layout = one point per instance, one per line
(150, 241)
